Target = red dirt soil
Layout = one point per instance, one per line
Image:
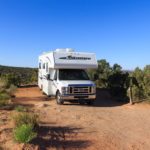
(107, 125)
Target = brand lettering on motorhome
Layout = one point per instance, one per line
(75, 58)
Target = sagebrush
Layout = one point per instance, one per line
(24, 133)
(20, 108)
(25, 118)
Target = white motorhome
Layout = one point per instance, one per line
(62, 73)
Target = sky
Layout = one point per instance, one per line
(116, 30)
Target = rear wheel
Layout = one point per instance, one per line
(43, 93)
(59, 100)
(41, 87)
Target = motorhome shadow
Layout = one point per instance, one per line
(62, 73)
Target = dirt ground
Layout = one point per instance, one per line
(107, 125)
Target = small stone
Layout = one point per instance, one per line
(42, 105)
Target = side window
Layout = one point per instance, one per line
(44, 66)
(55, 76)
(39, 65)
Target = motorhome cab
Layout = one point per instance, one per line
(62, 73)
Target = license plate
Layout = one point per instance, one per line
(81, 97)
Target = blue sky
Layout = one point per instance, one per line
(116, 30)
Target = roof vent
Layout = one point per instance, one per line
(64, 50)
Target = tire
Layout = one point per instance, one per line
(81, 102)
(43, 93)
(58, 99)
(90, 102)
(41, 88)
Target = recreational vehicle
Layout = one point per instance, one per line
(62, 73)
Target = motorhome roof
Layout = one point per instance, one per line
(60, 50)
(67, 58)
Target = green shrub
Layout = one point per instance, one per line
(2, 86)
(11, 79)
(24, 133)
(2, 83)
(4, 99)
(3, 102)
(137, 93)
(4, 96)
(20, 108)
(11, 90)
(26, 118)
(5, 92)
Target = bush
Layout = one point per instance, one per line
(4, 96)
(2, 85)
(11, 90)
(142, 91)
(11, 79)
(5, 92)
(3, 102)
(20, 108)
(137, 93)
(26, 118)
(24, 133)
(117, 84)
(4, 99)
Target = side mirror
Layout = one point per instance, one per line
(48, 77)
(95, 76)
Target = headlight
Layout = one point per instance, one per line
(65, 90)
(93, 89)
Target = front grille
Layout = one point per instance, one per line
(80, 90)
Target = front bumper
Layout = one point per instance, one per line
(78, 97)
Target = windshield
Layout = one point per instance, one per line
(73, 74)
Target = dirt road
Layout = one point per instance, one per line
(107, 125)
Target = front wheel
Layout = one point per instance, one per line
(90, 102)
(58, 99)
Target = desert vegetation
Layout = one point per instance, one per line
(18, 76)
(13, 77)
(6, 92)
(24, 122)
(142, 77)
(25, 127)
(118, 81)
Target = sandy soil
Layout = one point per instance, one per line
(107, 125)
